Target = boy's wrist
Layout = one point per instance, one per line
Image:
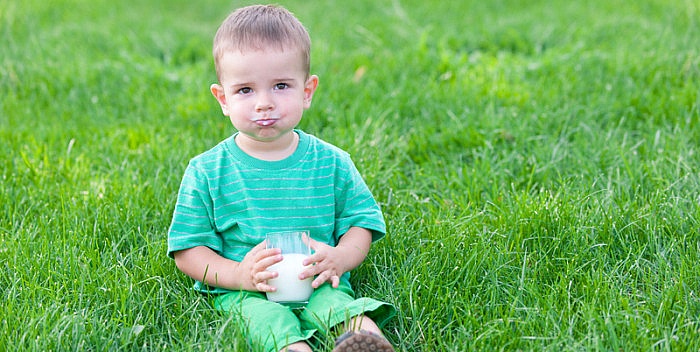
(351, 257)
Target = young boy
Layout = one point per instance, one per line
(270, 177)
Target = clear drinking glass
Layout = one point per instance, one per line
(295, 248)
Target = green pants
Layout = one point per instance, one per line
(274, 325)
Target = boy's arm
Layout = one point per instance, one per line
(203, 264)
(354, 245)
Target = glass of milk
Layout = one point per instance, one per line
(295, 248)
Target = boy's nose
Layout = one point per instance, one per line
(264, 103)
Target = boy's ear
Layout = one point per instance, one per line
(309, 89)
(218, 92)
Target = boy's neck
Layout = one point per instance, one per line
(276, 150)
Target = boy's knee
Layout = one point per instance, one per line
(297, 347)
(362, 322)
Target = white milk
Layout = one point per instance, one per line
(289, 287)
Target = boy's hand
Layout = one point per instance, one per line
(252, 270)
(327, 264)
(330, 263)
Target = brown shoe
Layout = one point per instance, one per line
(362, 341)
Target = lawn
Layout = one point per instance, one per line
(538, 164)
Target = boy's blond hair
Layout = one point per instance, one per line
(259, 27)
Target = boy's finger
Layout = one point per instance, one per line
(307, 240)
(264, 263)
(259, 247)
(263, 287)
(310, 271)
(266, 253)
(323, 277)
(312, 259)
(313, 244)
(263, 276)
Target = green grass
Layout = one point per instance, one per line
(538, 163)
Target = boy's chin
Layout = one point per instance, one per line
(268, 134)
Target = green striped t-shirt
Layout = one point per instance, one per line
(229, 200)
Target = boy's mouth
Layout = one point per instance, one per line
(265, 121)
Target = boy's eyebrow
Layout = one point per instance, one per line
(246, 83)
(284, 79)
(234, 86)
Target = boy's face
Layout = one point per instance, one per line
(264, 92)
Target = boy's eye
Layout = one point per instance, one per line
(245, 90)
(281, 86)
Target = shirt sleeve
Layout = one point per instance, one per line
(192, 223)
(356, 207)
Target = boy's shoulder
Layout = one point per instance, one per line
(213, 156)
(319, 145)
